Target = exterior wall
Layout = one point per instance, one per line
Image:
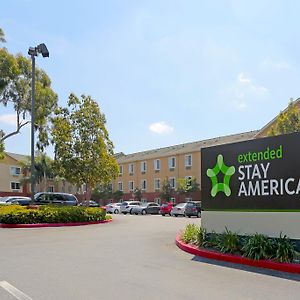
(180, 171)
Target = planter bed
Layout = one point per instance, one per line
(52, 224)
(268, 264)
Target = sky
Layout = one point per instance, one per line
(163, 72)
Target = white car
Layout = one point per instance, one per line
(113, 208)
(178, 210)
(127, 206)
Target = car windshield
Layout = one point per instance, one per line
(180, 204)
(124, 203)
(191, 204)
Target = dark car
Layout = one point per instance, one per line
(193, 208)
(15, 200)
(89, 203)
(44, 198)
(145, 208)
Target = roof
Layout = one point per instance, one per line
(18, 157)
(187, 147)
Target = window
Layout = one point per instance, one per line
(50, 189)
(172, 162)
(144, 184)
(143, 167)
(131, 186)
(157, 164)
(15, 171)
(120, 169)
(172, 200)
(172, 181)
(110, 186)
(157, 184)
(188, 160)
(157, 200)
(130, 169)
(120, 186)
(15, 185)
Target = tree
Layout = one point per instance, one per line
(187, 186)
(15, 90)
(2, 36)
(137, 194)
(82, 148)
(102, 191)
(167, 190)
(118, 195)
(286, 122)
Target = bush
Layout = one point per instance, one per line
(212, 240)
(228, 242)
(15, 214)
(258, 246)
(284, 249)
(201, 237)
(190, 233)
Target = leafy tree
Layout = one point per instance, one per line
(118, 195)
(287, 122)
(83, 150)
(103, 191)
(187, 186)
(2, 36)
(15, 90)
(137, 194)
(167, 190)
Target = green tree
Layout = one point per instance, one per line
(2, 36)
(83, 150)
(103, 191)
(15, 91)
(118, 195)
(167, 190)
(287, 121)
(187, 186)
(137, 194)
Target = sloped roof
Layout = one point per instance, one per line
(187, 147)
(18, 157)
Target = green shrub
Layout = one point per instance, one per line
(228, 242)
(284, 249)
(190, 233)
(200, 237)
(258, 246)
(212, 240)
(15, 214)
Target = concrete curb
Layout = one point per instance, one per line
(267, 264)
(52, 224)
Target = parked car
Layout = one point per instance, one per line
(113, 208)
(193, 208)
(178, 210)
(55, 198)
(127, 206)
(146, 208)
(166, 208)
(89, 203)
(11, 200)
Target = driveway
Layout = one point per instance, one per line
(134, 257)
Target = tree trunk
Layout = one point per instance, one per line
(88, 192)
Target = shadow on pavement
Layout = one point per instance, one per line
(284, 275)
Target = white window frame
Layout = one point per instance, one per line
(15, 182)
(187, 164)
(15, 173)
(155, 186)
(157, 164)
(131, 185)
(170, 162)
(131, 169)
(144, 184)
(120, 183)
(174, 180)
(120, 169)
(143, 166)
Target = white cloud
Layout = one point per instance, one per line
(271, 64)
(161, 128)
(8, 119)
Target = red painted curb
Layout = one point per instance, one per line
(52, 224)
(267, 264)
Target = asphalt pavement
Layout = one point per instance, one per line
(134, 257)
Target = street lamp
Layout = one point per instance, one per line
(33, 52)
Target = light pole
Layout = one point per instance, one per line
(33, 52)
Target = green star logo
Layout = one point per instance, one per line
(213, 173)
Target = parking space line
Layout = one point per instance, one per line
(14, 291)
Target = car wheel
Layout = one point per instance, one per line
(136, 213)
(176, 215)
(163, 215)
(199, 214)
(189, 216)
(116, 211)
(130, 211)
(144, 212)
(125, 213)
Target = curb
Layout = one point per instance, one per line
(267, 264)
(52, 224)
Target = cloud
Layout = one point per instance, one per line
(270, 64)
(161, 128)
(245, 92)
(8, 119)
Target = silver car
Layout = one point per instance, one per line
(127, 206)
(113, 208)
(146, 208)
(178, 210)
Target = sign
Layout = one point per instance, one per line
(261, 174)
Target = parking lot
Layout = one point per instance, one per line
(134, 257)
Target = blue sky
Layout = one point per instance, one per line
(163, 72)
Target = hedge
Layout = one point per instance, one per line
(16, 214)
